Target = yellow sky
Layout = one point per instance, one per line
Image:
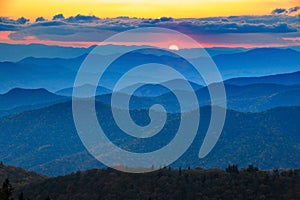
(140, 8)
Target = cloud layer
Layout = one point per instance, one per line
(83, 28)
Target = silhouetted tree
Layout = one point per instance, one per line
(252, 169)
(48, 198)
(232, 169)
(6, 191)
(21, 196)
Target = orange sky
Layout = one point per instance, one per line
(140, 8)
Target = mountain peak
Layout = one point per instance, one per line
(25, 90)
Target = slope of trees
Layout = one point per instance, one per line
(6, 190)
(46, 140)
(18, 177)
(167, 183)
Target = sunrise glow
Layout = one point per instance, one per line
(174, 47)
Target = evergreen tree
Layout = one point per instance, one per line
(6, 191)
(48, 198)
(232, 169)
(252, 169)
(21, 196)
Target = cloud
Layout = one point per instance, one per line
(22, 20)
(58, 17)
(156, 21)
(232, 24)
(166, 19)
(7, 24)
(40, 19)
(279, 11)
(46, 23)
(229, 27)
(283, 11)
(6, 20)
(82, 18)
(8, 27)
(294, 9)
(89, 28)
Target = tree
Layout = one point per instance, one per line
(232, 169)
(6, 191)
(21, 196)
(180, 171)
(252, 169)
(48, 198)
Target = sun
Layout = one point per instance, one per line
(174, 47)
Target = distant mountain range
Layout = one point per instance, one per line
(25, 97)
(19, 100)
(279, 79)
(258, 62)
(144, 90)
(46, 141)
(17, 52)
(37, 128)
(88, 88)
(246, 96)
(58, 73)
(249, 98)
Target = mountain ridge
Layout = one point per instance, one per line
(43, 140)
(283, 79)
(55, 74)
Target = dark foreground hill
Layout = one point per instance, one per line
(167, 183)
(18, 176)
